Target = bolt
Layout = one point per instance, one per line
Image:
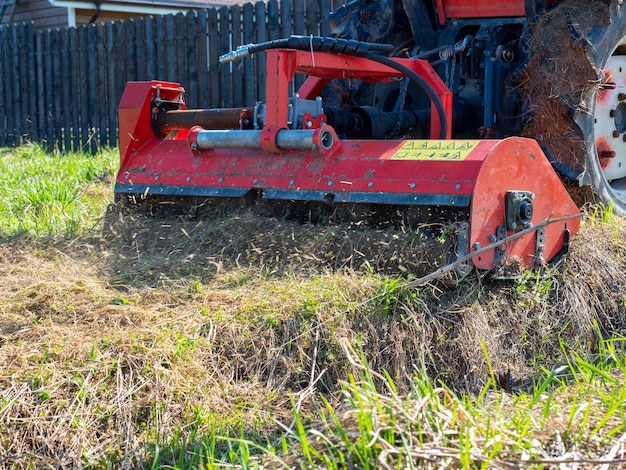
(221, 180)
(476, 246)
(188, 178)
(493, 238)
(330, 183)
(370, 184)
(413, 184)
(255, 181)
(156, 177)
(292, 182)
(458, 186)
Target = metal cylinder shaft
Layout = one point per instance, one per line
(286, 139)
(227, 118)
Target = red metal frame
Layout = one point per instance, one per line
(450, 9)
(134, 113)
(282, 65)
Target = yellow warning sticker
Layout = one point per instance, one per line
(436, 150)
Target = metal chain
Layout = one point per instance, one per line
(450, 71)
(399, 107)
(452, 78)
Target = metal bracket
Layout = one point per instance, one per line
(540, 247)
(461, 249)
(556, 259)
(299, 109)
(518, 209)
(310, 122)
(500, 249)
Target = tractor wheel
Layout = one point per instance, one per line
(603, 124)
(575, 89)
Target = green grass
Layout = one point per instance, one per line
(568, 413)
(47, 194)
(578, 407)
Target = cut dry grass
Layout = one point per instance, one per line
(101, 362)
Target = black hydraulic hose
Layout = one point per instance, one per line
(349, 47)
(310, 43)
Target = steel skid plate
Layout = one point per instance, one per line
(472, 174)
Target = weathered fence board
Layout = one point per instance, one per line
(101, 79)
(61, 88)
(38, 91)
(82, 87)
(214, 48)
(259, 60)
(4, 78)
(273, 20)
(11, 96)
(225, 75)
(56, 113)
(248, 62)
(192, 58)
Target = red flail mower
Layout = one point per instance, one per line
(430, 113)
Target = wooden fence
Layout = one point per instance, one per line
(61, 88)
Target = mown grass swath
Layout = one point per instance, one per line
(175, 343)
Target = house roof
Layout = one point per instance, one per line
(182, 4)
(144, 6)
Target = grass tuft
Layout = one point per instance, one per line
(52, 194)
